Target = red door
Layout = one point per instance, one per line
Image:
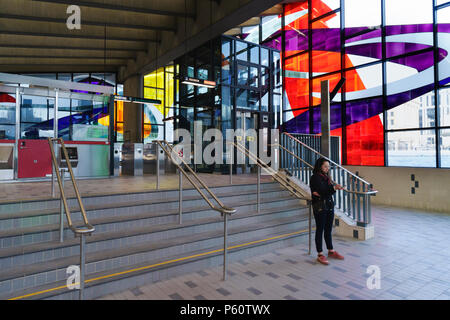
(34, 159)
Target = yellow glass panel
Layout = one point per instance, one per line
(119, 111)
(155, 79)
(149, 93)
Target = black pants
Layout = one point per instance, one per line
(324, 223)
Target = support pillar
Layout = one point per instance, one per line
(325, 118)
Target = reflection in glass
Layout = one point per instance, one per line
(444, 107)
(7, 108)
(416, 113)
(254, 55)
(254, 77)
(242, 75)
(241, 51)
(412, 148)
(445, 147)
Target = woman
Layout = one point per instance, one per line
(322, 190)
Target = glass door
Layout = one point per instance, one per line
(247, 122)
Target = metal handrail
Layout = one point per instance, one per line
(305, 162)
(224, 210)
(87, 226)
(329, 160)
(353, 199)
(87, 229)
(309, 165)
(280, 180)
(268, 169)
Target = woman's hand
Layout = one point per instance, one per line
(338, 187)
(315, 193)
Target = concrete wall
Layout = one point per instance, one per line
(394, 186)
(132, 112)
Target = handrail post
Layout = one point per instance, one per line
(231, 163)
(180, 200)
(157, 166)
(53, 173)
(258, 206)
(309, 225)
(82, 265)
(225, 232)
(61, 207)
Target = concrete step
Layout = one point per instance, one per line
(36, 207)
(13, 282)
(129, 219)
(47, 251)
(35, 218)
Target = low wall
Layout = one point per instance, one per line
(428, 189)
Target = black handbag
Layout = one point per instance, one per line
(322, 204)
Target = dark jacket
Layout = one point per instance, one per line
(322, 185)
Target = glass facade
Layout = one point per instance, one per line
(160, 85)
(394, 55)
(78, 120)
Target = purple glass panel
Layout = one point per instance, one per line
(443, 27)
(411, 28)
(296, 40)
(369, 35)
(419, 62)
(299, 124)
(326, 39)
(357, 111)
(371, 50)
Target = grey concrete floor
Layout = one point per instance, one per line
(410, 249)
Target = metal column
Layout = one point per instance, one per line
(61, 207)
(17, 135)
(82, 265)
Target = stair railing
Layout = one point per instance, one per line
(87, 228)
(353, 200)
(284, 181)
(220, 207)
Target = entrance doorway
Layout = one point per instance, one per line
(248, 122)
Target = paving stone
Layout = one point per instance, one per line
(223, 292)
(293, 276)
(290, 288)
(137, 291)
(176, 296)
(254, 291)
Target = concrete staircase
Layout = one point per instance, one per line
(138, 238)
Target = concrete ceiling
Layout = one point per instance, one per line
(130, 37)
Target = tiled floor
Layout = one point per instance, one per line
(410, 248)
(17, 191)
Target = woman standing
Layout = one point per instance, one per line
(322, 190)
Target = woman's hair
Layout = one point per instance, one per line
(318, 165)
